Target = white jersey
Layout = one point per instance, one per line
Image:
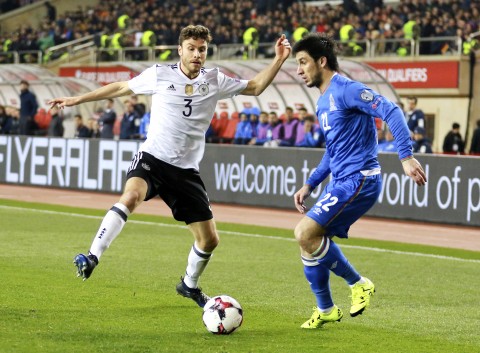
(182, 110)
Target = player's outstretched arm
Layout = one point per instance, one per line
(414, 170)
(112, 90)
(261, 81)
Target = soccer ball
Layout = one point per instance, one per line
(222, 315)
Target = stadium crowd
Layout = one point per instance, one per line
(136, 23)
(248, 127)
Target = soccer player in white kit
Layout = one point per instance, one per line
(184, 97)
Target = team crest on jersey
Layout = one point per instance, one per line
(203, 89)
(188, 90)
(333, 107)
(366, 96)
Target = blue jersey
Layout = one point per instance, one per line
(346, 112)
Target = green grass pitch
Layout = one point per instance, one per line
(427, 298)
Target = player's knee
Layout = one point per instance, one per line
(301, 235)
(131, 199)
(305, 237)
(210, 242)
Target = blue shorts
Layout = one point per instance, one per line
(344, 201)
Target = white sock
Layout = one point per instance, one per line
(197, 261)
(111, 226)
(360, 281)
(326, 311)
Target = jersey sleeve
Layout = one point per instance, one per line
(229, 87)
(322, 171)
(359, 96)
(145, 83)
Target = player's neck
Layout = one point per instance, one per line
(326, 81)
(191, 75)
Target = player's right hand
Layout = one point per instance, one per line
(300, 197)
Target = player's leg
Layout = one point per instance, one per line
(190, 204)
(206, 240)
(111, 226)
(308, 234)
(340, 205)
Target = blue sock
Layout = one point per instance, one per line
(338, 264)
(318, 276)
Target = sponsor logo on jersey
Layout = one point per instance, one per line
(188, 90)
(145, 166)
(317, 210)
(366, 96)
(171, 88)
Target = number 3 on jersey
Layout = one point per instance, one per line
(188, 105)
(327, 201)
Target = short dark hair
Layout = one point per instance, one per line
(318, 45)
(412, 98)
(455, 126)
(195, 32)
(24, 82)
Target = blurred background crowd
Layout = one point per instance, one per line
(125, 23)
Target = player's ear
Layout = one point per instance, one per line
(323, 61)
(180, 50)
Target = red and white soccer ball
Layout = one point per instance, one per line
(222, 315)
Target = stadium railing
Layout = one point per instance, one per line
(86, 45)
(21, 57)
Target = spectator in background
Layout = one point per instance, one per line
(415, 116)
(93, 127)
(254, 115)
(289, 128)
(14, 113)
(130, 125)
(262, 130)
(312, 135)
(388, 145)
(81, 131)
(5, 121)
(380, 136)
(56, 129)
(453, 142)
(51, 12)
(300, 133)
(140, 108)
(28, 109)
(475, 144)
(145, 124)
(107, 120)
(275, 131)
(244, 131)
(421, 144)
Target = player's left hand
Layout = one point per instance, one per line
(283, 47)
(414, 170)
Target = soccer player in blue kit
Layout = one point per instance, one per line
(346, 111)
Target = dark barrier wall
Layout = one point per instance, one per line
(248, 175)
